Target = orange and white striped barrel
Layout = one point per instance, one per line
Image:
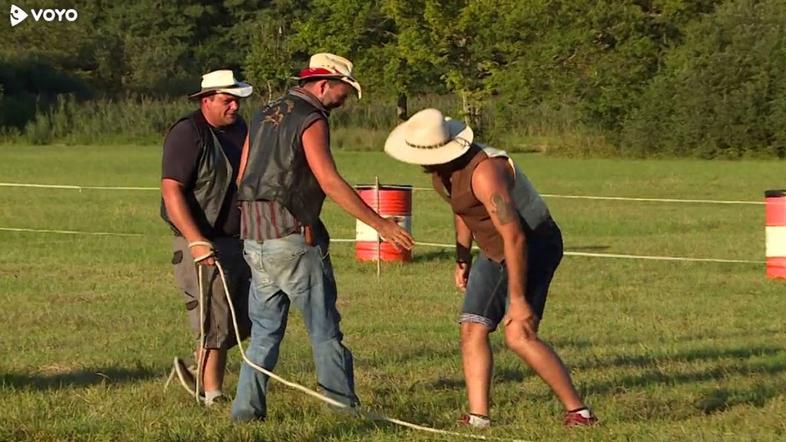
(775, 220)
(395, 201)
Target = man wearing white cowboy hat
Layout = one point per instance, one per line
(521, 247)
(200, 163)
(287, 170)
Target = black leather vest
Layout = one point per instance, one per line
(213, 178)
(276, 169)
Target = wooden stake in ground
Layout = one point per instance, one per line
(379, 237)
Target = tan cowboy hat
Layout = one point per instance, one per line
(222, 82)
(429, 138)
(324, 65)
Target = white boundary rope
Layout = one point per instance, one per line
(72, 187)
(653, 200)
(389, 186)
(67, 232)
(430, 244)
(599, 255)
(662, 258)
(323, 398)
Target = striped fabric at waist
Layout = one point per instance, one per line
(261, 220)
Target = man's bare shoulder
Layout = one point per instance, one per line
(490, 175)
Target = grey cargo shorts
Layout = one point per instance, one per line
(219, 331)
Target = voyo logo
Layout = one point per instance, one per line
(18, 15)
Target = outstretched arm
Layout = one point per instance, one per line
(320, 160)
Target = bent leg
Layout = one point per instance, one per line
(546, 363)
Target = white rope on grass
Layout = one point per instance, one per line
(202, 353)
(331, 401)
(79, 188)
(595, 197)
(429, 189)
(662, 258)
(430, 244)
(655, 200)
(67, 232)
(597, 255)
(202, 356)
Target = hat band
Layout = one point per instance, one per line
(437, 146)
(319, 72)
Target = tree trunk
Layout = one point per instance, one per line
(472, 109)
(401, 107)
(269, 91)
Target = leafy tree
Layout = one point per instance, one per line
(721, 93)
(362, 32)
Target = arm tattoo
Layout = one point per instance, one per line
(502, 208)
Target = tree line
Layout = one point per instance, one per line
(637, 77)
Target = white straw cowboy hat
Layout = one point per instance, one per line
(324, 65)
(222, 82)
(429, 138)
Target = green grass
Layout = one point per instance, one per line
(661, 350)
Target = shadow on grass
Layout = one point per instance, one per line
(502, 375)
(738, 363)
(354, 429)
(79, 378)
(585, 248)
(721, 399)
(433, 255)
(607, 341)
(731, 362)
(414, 357)
(703, 354)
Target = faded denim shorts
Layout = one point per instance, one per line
(486, 297)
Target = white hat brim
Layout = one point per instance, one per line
(242, 90)
(461, 137)
(239, 89)
(352, 82)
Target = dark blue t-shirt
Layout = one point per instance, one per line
(180, 163)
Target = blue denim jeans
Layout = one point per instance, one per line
(486, 297)
(287, 271)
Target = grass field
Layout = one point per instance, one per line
(661, 350)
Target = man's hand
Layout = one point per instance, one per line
(391, 232)
(199, 250)
(462, 275)
(521, 317)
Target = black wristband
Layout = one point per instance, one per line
(463, 254)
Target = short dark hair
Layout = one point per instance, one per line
(448, 168)
(302, 82)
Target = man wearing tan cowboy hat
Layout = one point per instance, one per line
(521, 247)
(286, 172)
(200, 164)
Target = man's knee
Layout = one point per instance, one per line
(473, 332)
(519, 338)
